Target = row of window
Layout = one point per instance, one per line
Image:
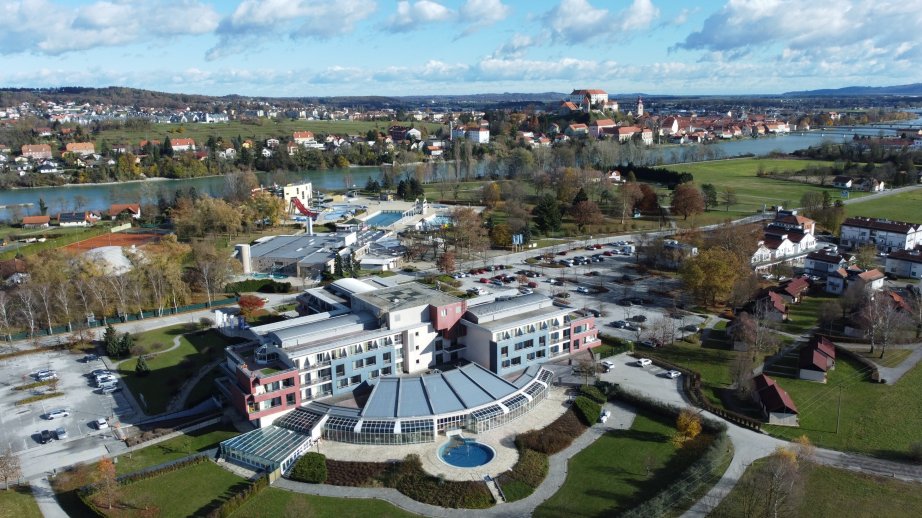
(531, 328)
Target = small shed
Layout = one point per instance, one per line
(777, 405)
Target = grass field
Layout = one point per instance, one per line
(176, 448)
(170, 369)
(904, 206)
(273, 502)
(804, 315)
(834, 493)
(266, 128)
(751, 191)
(877, 419)
(18, 502)
(204, 388)
(618, 471)
(190, 491)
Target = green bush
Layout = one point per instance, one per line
(355, 474)
(310, 468)
(526, 475)
(593, 393)
(410, 479)
(258, 285)
(587, 409)
(553, 438)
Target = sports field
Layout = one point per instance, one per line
(113, 239)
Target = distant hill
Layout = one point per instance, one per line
(911, 89)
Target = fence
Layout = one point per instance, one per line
(119, 319)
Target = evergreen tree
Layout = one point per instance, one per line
(42, 206)
(580, 197)
(125, 345)
(166, 149)
(110, 338)
(546, 214)
(141, 369)
(338, 266)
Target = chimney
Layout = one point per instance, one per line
(310, 226)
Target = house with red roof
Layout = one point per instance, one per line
(130, 210)
(775, 308)
(182, 144)
(80, 148)
(777, 406)
(827, 349)
(577, 129)
(599, 127)
(36, 221)
(813, 364)
(794, 289)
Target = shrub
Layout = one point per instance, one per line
(410, 479)
(355, 474)
(593, 393)
(555, 437)
(587, 409)
(258, 285)
(526, 475)
(311, 468)
(231, 505)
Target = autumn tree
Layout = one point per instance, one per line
(688, 426)
(467, 232)
(10, 468)
(500, 235)
(446, 262)
(755, 330)
(250, 304)
(629, 195)
(586, 213)
(107, 482)
(211, 267)
(265, 209)
(687, 200)
(710, 275)
(649, 201)
(866, 257)
(491, 195)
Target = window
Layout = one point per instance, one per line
(457, 310)
(504, 352)
(374, 374)
(355, 380)
(371, 361)
(506, 363)
(517, 360)
(290, 399)
(386, 357)
(444, 312)
(358, 364)
(340, 370)
(386, 371)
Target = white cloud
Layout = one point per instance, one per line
(410, 15)
(640, 15)
(44, 27)
(578, 21)
(515, 46)
(255, 20)
(478, 14)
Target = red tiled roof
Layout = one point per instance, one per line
(775, 398)
(182, 142)
(36, 220)
(796, 286)
(812, 359)
(871, 275)
(777, 302)
(604, 122)
(119, 208)
(824, 346)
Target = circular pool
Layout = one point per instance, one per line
(465, 453)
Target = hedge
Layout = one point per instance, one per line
(258, 285)
(310, 468)
(593, 393)
(34, 384)
(234, 503)
(40, 397)
(355, 474)
(588, 410)
(525, 476)
(553, 438)
(666, 410)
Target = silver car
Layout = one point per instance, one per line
(56, 413)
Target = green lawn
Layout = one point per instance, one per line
(877, 419)
(273, 502)
(833, 493)
(751, 191)
(903, 206)
(18, 502)
(804, 315)
(158, 339)
(266, 128)
(618, 471)
(204, 389)
(176, 448)
(190, 491)
(171, 369)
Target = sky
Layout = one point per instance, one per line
(290, 48)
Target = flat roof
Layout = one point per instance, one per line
(296, 247)
(331, 327)
(524, 318)
(506, 304)
(404, 296)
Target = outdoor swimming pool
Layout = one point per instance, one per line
(465, 453)
(383, 219)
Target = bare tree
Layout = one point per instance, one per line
(741, 374)
(883, 320)
(27, 307)
(10, 468)
(755, 330)
(6, 317)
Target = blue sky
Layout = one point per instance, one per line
(386, 47)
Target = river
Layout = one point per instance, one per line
(19, 202)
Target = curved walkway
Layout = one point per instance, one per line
(179, 400)
(621, 419)
(892, 374)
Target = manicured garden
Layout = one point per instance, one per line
(621, 470)
(831, 493)
(175, 448)
(18, 502)
(876, 419)
(169, 370)
(272, 503)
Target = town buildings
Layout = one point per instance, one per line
(886, 235)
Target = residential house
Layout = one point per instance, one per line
(477, 134)
(274, 142)
(292, 148)
(626, 133)
(597, 128)
(794, 290)
(74, 219)
(303, 138)
(80, 148)
(827, 348)
(595, 97)
(812, 364)
(182, 144)
(566, 108)
(886, 235)
(775, 308)
(785, 238)
(842, 182)
(669, 126)
(777, 405)
(614, 176)
(646, 136)
(37, 151)
(823, 262)
(905, 263)
(576, 128)
(228, 153)
(399, 133)
(36, 221)
(868, 184)
(130, 210)
(838, 281)
(433, 151)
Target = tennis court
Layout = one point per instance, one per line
(114, 239)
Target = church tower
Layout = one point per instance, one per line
(640, 107)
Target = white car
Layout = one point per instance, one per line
(672, 374)
(608, 365)
(101, 424)
(582, 290)
(604, 415)
(56, 413)
(643, 362)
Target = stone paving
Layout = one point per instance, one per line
(501, 439)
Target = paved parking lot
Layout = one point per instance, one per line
(20, 426)
(609, 274)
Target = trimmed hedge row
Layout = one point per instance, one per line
(555, 437)
(232, 504)
(310, 468)
(588, 410)
(355, 474)
(40, 397)
(526, 475)
(593, 393)
(258, 285)
(138, 476)
(34, 384)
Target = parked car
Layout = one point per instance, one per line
(101, 372)
(618, 324)
(104, 380)
(650, 343)
(526, 291)
(691, 328)
(532, 284)
(45, 375)
(89, 358)
(60, 434)
(672, 374)
(639, 318)
(56, 413)
(101, 424)
(604, 415)
(44, 436)
(607, 365)
(108, 389)
(496, 282)
(582, 289)
(594, 312)
(477, 291)
(483, 280)
(643, 362)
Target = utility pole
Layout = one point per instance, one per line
(839, 409)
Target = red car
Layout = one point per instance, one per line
(484, 280)
(473, 271)
(561, 253)
(532, 284)
(608, 253)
